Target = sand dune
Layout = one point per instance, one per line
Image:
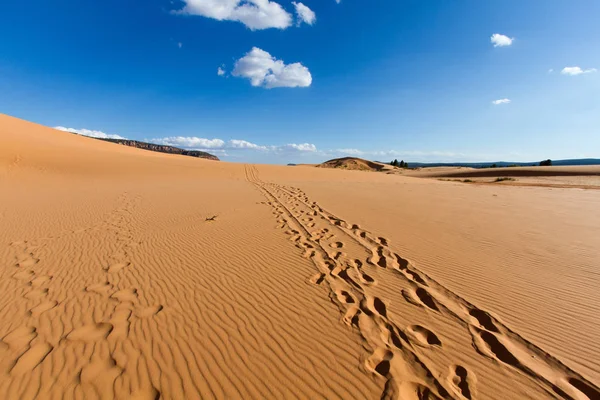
(130, 274)
(356, 164)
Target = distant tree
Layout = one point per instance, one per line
(494, 166)
(546, 163)
(402, 165)
(394, 163)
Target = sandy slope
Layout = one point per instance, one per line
(575, 177)
(357, 164)
(113, 283)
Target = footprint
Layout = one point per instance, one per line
(100, 288)
(145, 394)
(462, 381)
(100, 373)
(117, 267)
(345, 297)
(488, 344)
(484, 319)
(149, 311)
(24, 275)
(125, 295)
(317, 279)
(374, 306)
(410, 297)
(120, 321)
(415, 390)
(336, 245)
(414, 277)
(91, 333)
(426, 299)
(379, 362)
(31, 358)
(366, 279)
(402, 262)
(379, 258)
(28, 263)
(40, 280)
(423, 335)
(36, 294)
(20, 337)
(395, 337)
(351, 318)
(42, 307)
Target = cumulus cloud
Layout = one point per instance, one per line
(264, 70)
(573, 71)
(90, 133)
(350, 152)
(300, 147)
(499, 40)
(383, 154)
(305, 14)
(501, 101)
(197, 143)
(220, 71)
(255, 14)
(190, 142)
(243, 144)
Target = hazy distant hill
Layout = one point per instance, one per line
(162, 149)
(579, 161)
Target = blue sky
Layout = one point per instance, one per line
(413, 80)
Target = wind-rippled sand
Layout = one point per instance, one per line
(131, 274)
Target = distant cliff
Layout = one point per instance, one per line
(163, 149)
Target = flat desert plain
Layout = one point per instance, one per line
(130, 274)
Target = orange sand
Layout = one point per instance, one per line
(131, 274)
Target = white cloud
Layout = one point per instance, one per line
(304, 13)
(197, 143)
(255, 14)
(264, 70)
(299, 147)
(371, 154)
(220, 71)
(242, 144)
(190, 142)
(180, 45)
(350, 152)
(90, 133)
(501, 101)
(501, 40)
(573, 71)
